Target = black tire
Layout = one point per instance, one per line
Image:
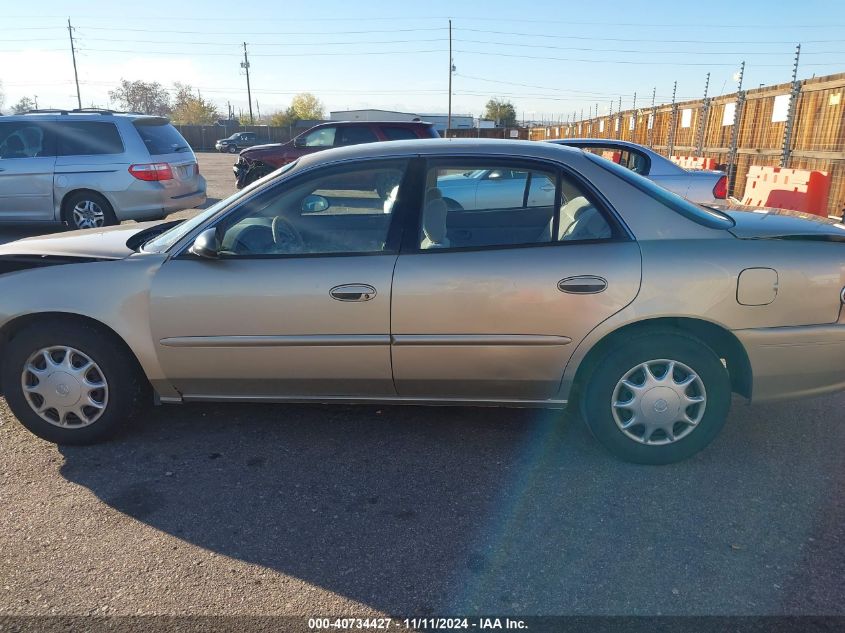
(232, 149)
(598, 393)
(128, 389)
(109, 218)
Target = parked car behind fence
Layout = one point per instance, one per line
(261, 160)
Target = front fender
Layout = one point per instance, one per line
(114, 293)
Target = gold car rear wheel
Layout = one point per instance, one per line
(658, 398)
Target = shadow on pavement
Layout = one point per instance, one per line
(434, 511)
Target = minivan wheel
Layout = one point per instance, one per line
(233, 149)
(657, 399)
(69, 384)
(87, 210)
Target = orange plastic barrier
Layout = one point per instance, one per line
(611, 155)
(694, 162)
(796, 189)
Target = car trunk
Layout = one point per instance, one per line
(784, 224)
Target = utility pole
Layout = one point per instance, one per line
(633, 129)
(671, 142)
(245, 66)
(790, 117)
(652, 116)
(258, 107)
(73, 56)
(739, 104)
(451, 70)
(619, 119)
(705, 111)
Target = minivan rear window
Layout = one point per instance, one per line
(161, 137)
(87, 138)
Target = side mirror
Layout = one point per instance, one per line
(206, 245)
(315, 204)
(299, 142)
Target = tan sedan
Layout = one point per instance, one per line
(594, 286)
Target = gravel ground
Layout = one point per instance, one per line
(318, 510)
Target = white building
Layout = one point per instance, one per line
(372, 115)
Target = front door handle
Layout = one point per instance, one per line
(353, 292)
(582, 285)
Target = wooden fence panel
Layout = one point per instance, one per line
(818, 137)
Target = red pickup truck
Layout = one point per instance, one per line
(260, 160)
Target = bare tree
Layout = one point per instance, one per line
(142, 96)
(24, 105)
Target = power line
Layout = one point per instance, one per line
(640, 39)
(366, 32)
(436, 39)
(470, 18)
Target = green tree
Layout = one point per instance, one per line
(500, 111)
(306, 106)
(190, 109)
(24, 105)
(142, 96)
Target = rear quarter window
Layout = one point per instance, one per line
(702, 215)
(160, 137)
(87, 138)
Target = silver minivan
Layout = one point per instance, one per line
(88, 169)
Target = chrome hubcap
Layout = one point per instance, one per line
(659, 402)
(87, 214)
(65, 387)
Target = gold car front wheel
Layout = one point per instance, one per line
(70, 381)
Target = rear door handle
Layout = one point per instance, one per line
(353, 292)
(582, 285)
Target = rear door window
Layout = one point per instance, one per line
(484, 204)
(160, 137)
(87, 138)
(355, 136)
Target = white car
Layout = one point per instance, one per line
(700, 186)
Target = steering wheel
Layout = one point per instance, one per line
(285, 236)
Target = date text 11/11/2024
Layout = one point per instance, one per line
(430, 624)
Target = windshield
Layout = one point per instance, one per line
(705, 216)
(167, 239)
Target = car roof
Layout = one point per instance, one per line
(434, 146)
(388, 123)
(665, 165)
(68, 115)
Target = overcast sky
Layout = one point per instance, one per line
(551, 58)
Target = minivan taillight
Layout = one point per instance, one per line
(152, 171)
(720, 191)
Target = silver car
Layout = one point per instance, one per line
(700, 186)
(642, 310)
(89, 169)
